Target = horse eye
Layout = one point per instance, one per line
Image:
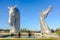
(13, 14)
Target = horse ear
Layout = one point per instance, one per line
(50, 7)
(15, 6)
(8, 7)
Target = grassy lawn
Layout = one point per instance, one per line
(29, 39)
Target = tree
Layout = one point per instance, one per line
(57, 31)
(52, 30)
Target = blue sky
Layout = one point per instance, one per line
(30, 11)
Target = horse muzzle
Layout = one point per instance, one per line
(10, 23)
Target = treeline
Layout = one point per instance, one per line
(57, 31)
(4, 30)
(27, 30)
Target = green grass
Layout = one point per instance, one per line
(58, 33)
(29, 39)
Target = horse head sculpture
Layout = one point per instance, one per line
(14, 19)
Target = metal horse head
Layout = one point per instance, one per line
(12, 14)
(14, 18)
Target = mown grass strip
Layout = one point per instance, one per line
(29, 39)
